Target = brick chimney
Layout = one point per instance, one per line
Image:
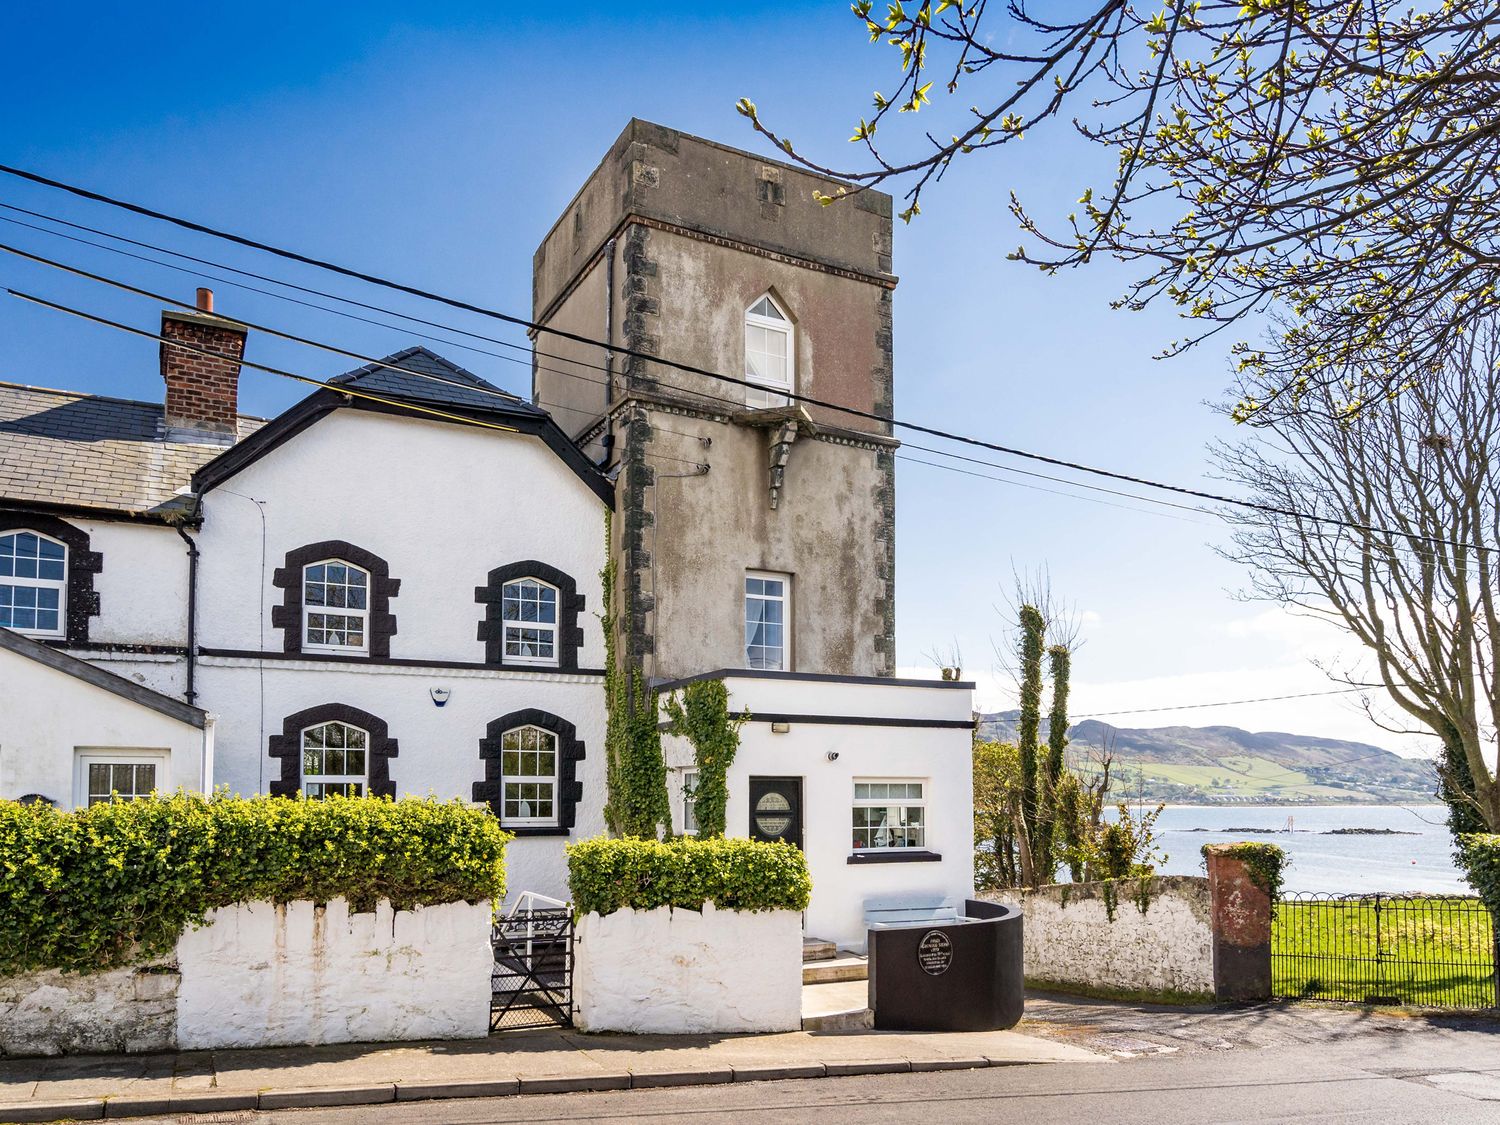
(202, 390)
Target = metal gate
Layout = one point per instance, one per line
(1433, 951)
(531, 984)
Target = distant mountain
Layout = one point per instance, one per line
(1233, 766)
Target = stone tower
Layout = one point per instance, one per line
(750, 530)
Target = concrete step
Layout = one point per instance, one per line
(816, 949)
(846, 966)
(836, 1006)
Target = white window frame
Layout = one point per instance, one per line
(343, 611)
(360, 779)
(891, 803)
(786, 615)
(774, 393)
(689, 802)
(507, 779)
(85, 756)
(553, 627)
(58, 584)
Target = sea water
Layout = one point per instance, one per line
(1422, 861)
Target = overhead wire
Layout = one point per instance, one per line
(619, 349)
(36, 258)
(339, 388)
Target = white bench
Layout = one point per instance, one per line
(909, 910)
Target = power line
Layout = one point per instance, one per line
(1225, 703)
(343, 389)
(532, 326)
(281, 334)
(1051, 491)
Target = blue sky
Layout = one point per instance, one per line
(437, 143)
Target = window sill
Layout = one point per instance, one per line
(894, 855)
(535, 830)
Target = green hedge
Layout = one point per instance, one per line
(119, 882)
(608, 875)
(1479, 855)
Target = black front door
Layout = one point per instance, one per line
(776, 809)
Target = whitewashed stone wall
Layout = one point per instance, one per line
(268, 975)
(55, 1013)
(1070, 939)
(681, 971)
(262, 975)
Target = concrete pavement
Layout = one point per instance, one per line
(89, 1088)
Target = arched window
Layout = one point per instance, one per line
(528, 765)
(528, 609)
(33, 584)
(770, 354)
(530, 616)
(335, 760)
(335, 607)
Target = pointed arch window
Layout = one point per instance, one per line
(770, 354)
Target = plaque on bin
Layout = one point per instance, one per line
(935, 953)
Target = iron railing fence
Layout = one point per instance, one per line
(531, 984)
(1434, 951)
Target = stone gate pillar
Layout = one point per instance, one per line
(1241, 919)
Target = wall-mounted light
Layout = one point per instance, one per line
(439, 695)
(780, 728)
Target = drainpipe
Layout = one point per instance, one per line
(192, 604)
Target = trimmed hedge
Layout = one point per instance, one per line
(118, 883)
(608, 875)
(1479, 855)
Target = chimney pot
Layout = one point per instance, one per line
(205, 300)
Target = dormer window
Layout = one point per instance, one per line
(528, 608)
(33, 584)
(335, 607)
(770, 355)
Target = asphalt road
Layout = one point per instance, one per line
(1166, 1066)
(1388, 1072)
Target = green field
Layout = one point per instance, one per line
(1242, 776)
(1428, 952)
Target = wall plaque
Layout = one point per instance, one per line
(935, 953)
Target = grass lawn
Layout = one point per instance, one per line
(1427, 951)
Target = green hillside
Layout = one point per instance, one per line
(1233, 766)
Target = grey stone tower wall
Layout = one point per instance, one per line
(662, 250)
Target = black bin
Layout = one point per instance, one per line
(963, 975)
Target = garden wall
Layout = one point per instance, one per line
(262, 974)
(1138, 936)
(676, 970)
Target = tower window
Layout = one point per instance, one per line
(770, 355)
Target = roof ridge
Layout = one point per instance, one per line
(394, 360)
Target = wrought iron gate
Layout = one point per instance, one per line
(1435, 951)
(531, 984)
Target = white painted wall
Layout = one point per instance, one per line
(143, 585)
(683, 972)
(266, 975)
(1071, 940)
(263, 975)
(443, 505)
(49, 716)
(940, 757)
(438, 747)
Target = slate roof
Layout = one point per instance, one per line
(434, 380)
(91, 452)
